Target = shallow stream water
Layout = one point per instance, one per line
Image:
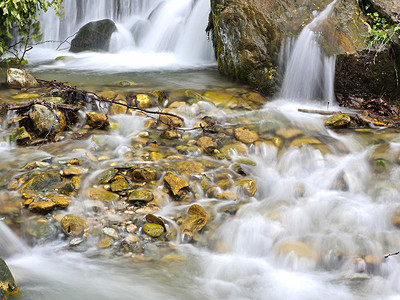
(318, 226)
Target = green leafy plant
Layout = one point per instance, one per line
(20, 17)
(382, 32)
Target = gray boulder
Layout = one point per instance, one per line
(94, 36)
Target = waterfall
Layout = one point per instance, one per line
(10, 244)
(151, 33)
(309, 73)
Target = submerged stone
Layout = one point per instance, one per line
(196, 220)
(143, 174)
(245, 135)
(207, 143)
(42, 207)
(101, 194)
(248, 185)
(141, 195)
(73, 225)
(175, 183)
(154, 230)
(119, 184)
(42, 182)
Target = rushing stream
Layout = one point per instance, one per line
(318, 226)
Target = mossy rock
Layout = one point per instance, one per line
(141, 195)
(207, 144)
(119, 184)
(245, 135)
(154, 230)
(239, 148)
(188, 167)
(61, 201)
(338, 121)
(143, 174)
(20, 136)
(42, 182)
(101, 194)
(248, 185)
(175, 183)
(97, 120)
(107, 176)
(42, 207)
(73, 225)
(7, 283)
(196, 220)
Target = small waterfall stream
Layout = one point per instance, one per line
(309, 73)
(152, 35)
(318, 226)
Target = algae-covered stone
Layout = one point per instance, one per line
(188, 167)
(288, 133)
(107, 176)
(61, 201)
(170, 121)
(105, 242)
(73, 225)
(20, 136)
(119, 184)
(248, 185)
(224, 183)
(196, 220)
(45, 120)
(150, 218)
(101, 194)
(207, 143)
(73, 171)
(239, 148)
(17, 79)
(42, 182)
(171, 135)
(338, 121)
(7, 283)
(97, 120)
(42, 207)
(245, 135)
(143, 174)
(175, 183)
(154, 230)
(141, 195)
(143, 101)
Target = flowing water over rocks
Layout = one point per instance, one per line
(230, 196)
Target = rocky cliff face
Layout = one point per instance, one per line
(248, 36)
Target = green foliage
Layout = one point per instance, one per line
(381, 32)
(22, 16)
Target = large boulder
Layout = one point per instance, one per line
(7, 282)
(94, 36)
(249, 36)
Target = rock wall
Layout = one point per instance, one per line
(248, 35)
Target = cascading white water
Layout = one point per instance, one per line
(309, 73)
(153, 34)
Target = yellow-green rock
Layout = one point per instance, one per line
(207, 144)
(175, 183)
(154, 230)
(239, 148)
(196, 220)
(20, 136)
(97, 120)
(105, 242)
(17, 79)
(143, 101)
(143, 174)
(304, 141)
(338, 121)
(73, 225)
(141, 195)
(245, 135)
(107, 176)
(101, 194)
(61, 201)
(42, 207)
(248, 185)
(7, 283)
(119, 184)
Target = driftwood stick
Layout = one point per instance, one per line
(317, 111)
(392, 254)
